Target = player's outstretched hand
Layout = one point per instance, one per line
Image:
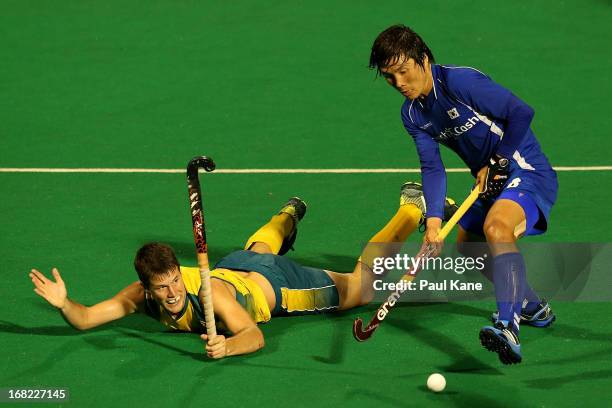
(215, 347)
(53, 292)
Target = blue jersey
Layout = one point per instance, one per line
(475, 117)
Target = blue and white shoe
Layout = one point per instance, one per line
(543, 316)
(501, 340)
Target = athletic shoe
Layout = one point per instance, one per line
(543, 316)
(296, 208)
(412, 193)
(501, 340)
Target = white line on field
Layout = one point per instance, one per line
(262, 171)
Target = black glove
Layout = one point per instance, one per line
(497, 177)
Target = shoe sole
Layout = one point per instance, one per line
(540, 323)
(492, 342)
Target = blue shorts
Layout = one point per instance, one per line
(298, 289)
(535, 191)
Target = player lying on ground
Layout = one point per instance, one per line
(248, 286)
(489, 128)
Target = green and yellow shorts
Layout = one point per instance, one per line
(299, 289)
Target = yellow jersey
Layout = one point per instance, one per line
(191, 318)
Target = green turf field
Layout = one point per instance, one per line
(276, 85)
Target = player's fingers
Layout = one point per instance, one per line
(204, 337)
(56, 275)
(218, 353)
(423, 249)
(40, 293)
(217, 346)
(215, 340)
(37, 282)
(211, 351)
(432, 249)
(40, 276)
(212, 344)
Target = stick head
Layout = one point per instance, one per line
(359, 333)
(195, 199)
(197, 162)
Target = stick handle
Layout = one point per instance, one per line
(199, 236)
(205, 295)
(459, 213)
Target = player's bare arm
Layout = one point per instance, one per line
(246, 338)
(82, 317)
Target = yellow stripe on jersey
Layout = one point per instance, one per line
(308, 300)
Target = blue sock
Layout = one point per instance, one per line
(510, 279)
(532, 301)
(487, 271)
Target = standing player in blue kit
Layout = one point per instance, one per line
(489, 128)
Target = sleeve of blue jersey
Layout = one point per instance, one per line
(479, 91)
(490, 98)
(433, 174)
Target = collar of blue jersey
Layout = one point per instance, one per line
(433, 95)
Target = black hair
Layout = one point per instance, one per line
(396, 42)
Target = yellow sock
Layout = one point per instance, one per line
(273, 233)
(392, 235)
(405, 220)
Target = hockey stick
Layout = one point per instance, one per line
(199, 236)
(362, 334)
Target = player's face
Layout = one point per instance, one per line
(169, 291)
(408, 77)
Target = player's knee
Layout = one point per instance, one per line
(366, 297)
(496, 230)
(356, 293)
